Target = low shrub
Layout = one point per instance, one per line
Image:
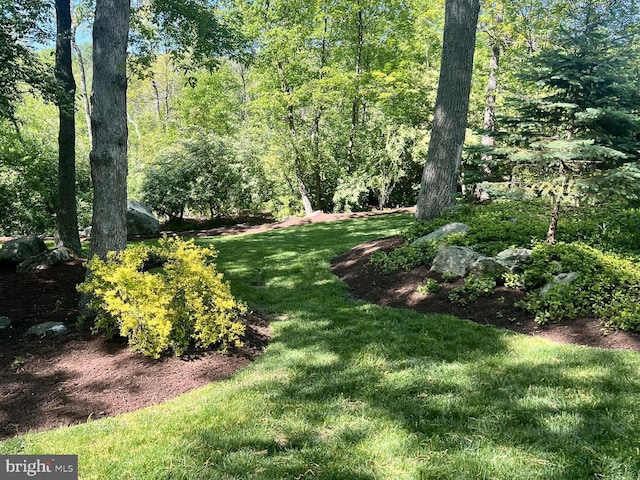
(429, 286)
(492, 228)
(405, 257)
(608, 285)
(180, 303)
(475, 286)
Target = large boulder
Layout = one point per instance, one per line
(45, 259)
(487, 266)
(513, 259)
(445, 231)
(18, 250)
(454, 261)
(140, 219)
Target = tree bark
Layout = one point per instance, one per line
(553, 223)
(109, 125)
(83, 87)
(489, 123)
(439, 177)
(67, 211)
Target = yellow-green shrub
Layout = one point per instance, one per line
(183, 302)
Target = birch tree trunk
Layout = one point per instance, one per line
(355, 104)
(67, 211)
(109, 126)
(439, 177)
(297, 160)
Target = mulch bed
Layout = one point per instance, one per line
(54, 381)
(400, 289)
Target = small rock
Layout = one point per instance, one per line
(513, 258)
(4, 322)
(47, 328)
(487, 266)
(46, 259)
(18, 250)
(140, 219)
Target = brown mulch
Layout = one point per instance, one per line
(54, 381)
(400, 289)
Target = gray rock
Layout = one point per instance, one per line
(513, 258)
(561, 278)
(47, 328)
(86, 232)
(4, 323)
(16, 251)
(448, 229)
(140, 219)
(45, 259)
(454, 261)
(487, 266)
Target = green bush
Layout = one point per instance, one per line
(182, 302)
(608, 285)
(475, 286)
(429, 286)
(493, 227)
(405, 257)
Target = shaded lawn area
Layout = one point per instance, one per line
(349, 390)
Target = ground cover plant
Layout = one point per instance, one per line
(598, 243)
(351, 390)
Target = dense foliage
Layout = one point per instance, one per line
(167, 297)
(600, 243)
(317, 106)
(607, 286)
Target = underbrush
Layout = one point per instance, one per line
(599, 243)
(607, 285)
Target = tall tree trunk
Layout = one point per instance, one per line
(297, 160)
(83, 87)
(109, 125)
(438, 184)
(355, 104)
(67, 211)
(489, 123)
(317, 115)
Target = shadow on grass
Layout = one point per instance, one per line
(348, 390)
(444, 398)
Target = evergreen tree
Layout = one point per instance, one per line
(583, 117)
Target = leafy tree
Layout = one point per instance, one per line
(22, 24)
(201, 175)
(583, 118)
(27, 183)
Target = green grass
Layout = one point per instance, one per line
(348, 390)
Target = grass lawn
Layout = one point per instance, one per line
(352, 391)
